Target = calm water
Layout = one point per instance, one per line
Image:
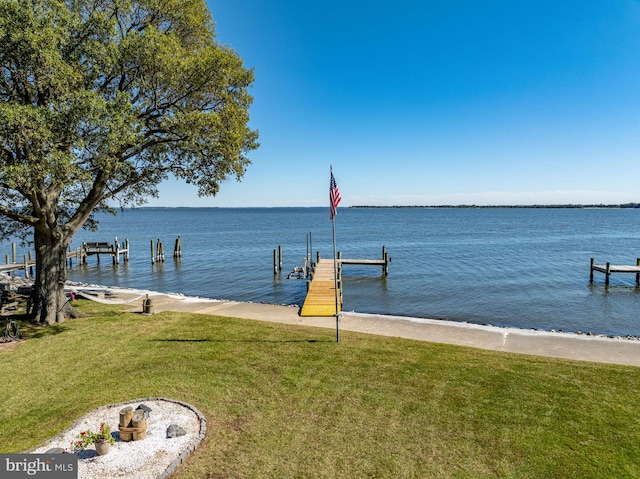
(509, 267)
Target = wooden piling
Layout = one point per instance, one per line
(177, 249)
(385, 258)
(153, 257)
(308, 258)
(275, 262)
(280, 257)
(159, 251)
(13, 252)
(139, 422)
(126, 415)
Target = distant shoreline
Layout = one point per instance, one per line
(538, 206)
(567, 206)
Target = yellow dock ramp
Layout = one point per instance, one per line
(321, 296)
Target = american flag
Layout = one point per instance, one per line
(334, 196)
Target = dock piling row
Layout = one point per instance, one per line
(118, 251)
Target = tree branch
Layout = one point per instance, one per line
(14, 215)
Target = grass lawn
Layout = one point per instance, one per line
(287, 401)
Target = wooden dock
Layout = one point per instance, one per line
(29, 264)
(321, 293)
(609, 268)
(114, 250)
(321, 290)
(80, 255)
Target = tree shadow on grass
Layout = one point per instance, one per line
(36, 331)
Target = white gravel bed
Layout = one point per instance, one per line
(151, 458)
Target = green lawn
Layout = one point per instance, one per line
(286, 401)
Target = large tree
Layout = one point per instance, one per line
(100, 101)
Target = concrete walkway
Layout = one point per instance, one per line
(513, 340)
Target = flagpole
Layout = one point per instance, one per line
(335, 277)
(335, 266)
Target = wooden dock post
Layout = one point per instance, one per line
(308, 261)
(607, 273)
(153, 257)
(13, 252)
(637, 274)
(159, 251)
(126, 415)
(385, 258)
(275, 261)
(120, 248)
(177, 249)
(30, 267)
(280, 257)
(26, 267)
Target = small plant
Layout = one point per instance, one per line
(86, 438)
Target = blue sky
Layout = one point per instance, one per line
(418, 102)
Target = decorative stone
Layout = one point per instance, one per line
(175, 431)
(146, 409)
(55, 450)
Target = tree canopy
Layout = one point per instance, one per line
(101, 100)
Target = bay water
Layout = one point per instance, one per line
(512, 267)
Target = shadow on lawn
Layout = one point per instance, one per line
(35, 331)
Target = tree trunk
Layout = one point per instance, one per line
(51, 275)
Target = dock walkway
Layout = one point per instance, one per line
(321, 295)
(321, 290)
